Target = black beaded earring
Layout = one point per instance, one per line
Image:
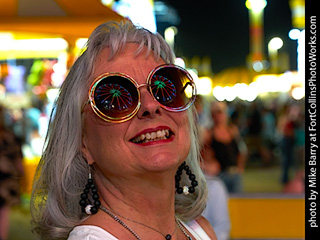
(185, 189)
(86, 203)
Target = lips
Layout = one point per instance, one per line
(147, 136)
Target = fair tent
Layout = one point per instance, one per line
(67, 18)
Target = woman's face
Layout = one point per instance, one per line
(218, 113)
(116, 148)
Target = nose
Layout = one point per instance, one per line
(149, 108)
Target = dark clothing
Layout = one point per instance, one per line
(226, 154)
(11, 168)
(255, 123)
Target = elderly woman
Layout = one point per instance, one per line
(121, 158)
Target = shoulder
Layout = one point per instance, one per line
(90, 232)
(234, 130)
(206, 226)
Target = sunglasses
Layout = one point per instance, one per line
(115, 97)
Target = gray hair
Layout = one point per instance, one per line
(62, 172)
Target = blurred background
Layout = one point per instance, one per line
(248, 54)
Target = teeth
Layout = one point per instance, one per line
(152, 136)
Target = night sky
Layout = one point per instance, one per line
(220, 30)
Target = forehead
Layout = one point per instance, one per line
(127, 61)
(218, 106)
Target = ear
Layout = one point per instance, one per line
(85, 150)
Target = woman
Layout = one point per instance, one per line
(117, 159)
(224, 151)
(11, 171)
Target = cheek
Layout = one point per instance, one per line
(184, 133)
(102, 142)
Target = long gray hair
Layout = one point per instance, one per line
(63, 172)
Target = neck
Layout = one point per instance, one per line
(148, 199)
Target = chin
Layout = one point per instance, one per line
(162, 163)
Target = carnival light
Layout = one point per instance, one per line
(107, 2)
(294, 34)
(140, 12)
(262, 85)
(169, 35)
(253, 91)
(6, 41)
(59, 71)
(298, 93)
(256, 56)
(204, 85)
(230, 93)
(52, 94)
(9, 44)
(180, 62)
(45, 44)
(242, 90)
(81, 42)
(275, 44)
(285, 81)
(219, 93)
(257, 66)
(256, 5)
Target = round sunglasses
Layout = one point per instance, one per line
(115, 97)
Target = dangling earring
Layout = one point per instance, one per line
(85, 202)
(185, 189)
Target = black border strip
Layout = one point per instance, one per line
(312, 33)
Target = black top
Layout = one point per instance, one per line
(225, 153)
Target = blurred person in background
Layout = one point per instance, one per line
(268, 133)
(226, 153)
(121, 158)
(11, 171)
(285, 128)
(254, 132)
(217, 210)
(290, 128)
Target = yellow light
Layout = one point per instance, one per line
(298, 93)
(256, 5)
(35, 48)
(107, 3)
(169, 34)
(267, 83)
(81, 42)
(204, 85)
(275, 43)
(242, 90)
(219, 93)
(230, 93)
(285, 81)
(252, 92)
(6, 41)
(45, 44)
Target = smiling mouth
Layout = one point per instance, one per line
(152, 136)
